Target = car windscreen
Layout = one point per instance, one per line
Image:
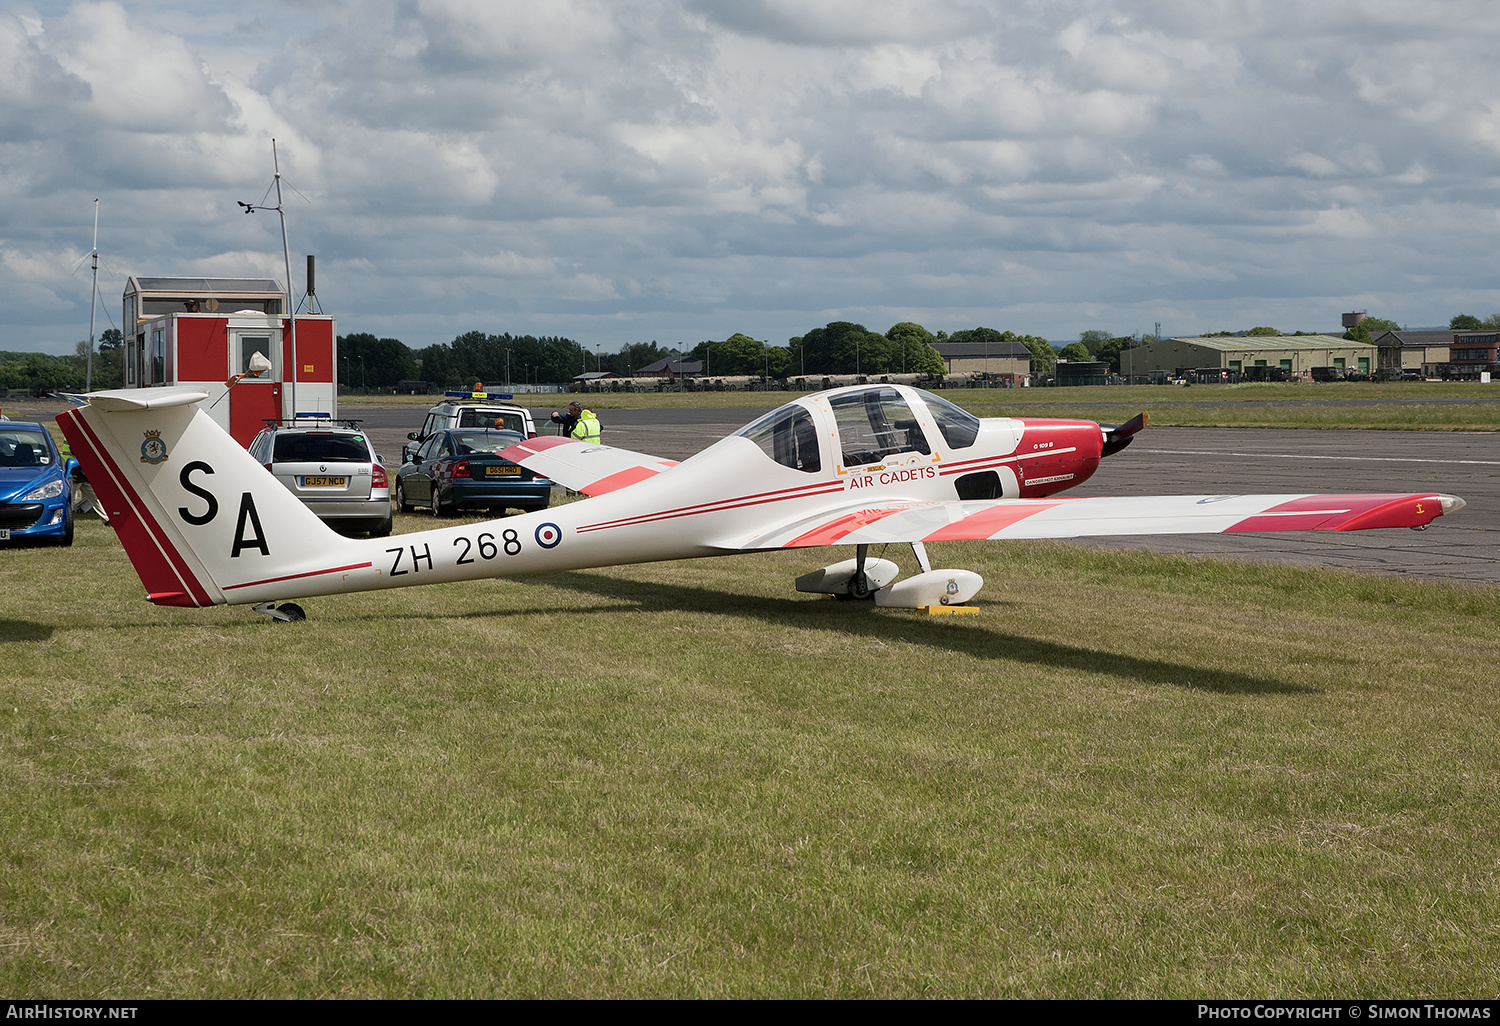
(321, 447)
(24, 449)
(508, 420)
(480, 443)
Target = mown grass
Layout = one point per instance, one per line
(1400, 406)
(1132, 775)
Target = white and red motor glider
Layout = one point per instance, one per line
(204, 524)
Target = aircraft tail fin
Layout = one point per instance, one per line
(198, 517)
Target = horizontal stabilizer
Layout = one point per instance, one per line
(125, 399)
(586, 467)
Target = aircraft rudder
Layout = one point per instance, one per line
(194, 510)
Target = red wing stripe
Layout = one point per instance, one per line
(616, 481)
(1343, 513)
(139, 533)
(538, 445)
(986, 523)
(831, 532)
(1407, 511)
(295, 577)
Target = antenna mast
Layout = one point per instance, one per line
(286, 256)
(88, 375)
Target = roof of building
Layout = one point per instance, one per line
(677, 364)
(178, 286)
(1416, 338)
(955, 350)
(1267, 343)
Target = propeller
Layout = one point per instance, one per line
(1118, 436)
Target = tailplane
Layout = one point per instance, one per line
(198, 517)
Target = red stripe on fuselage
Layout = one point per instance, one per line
(760, 498)
(294, 577)
(161, 568)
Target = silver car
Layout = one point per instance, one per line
(333, 469)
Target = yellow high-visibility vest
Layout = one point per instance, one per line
(588, 428)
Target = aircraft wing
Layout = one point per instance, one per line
(879, 523)
(583, 466)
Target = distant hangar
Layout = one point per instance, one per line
(1271, 357)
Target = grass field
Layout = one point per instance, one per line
(1132, 775)
(1400, 406)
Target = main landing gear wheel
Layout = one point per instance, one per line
(859, 584)
(287, 612)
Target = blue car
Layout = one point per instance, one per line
(36, 486)
(461, 469)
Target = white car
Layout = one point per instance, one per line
(470, 410)
(333, 469)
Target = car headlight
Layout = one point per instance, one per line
(50, 490)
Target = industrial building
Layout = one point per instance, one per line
(1280, 357)
(1421, 352)
(1005, 361)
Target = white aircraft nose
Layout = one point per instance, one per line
(1451, 503)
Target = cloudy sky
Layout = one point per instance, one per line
(681, 170)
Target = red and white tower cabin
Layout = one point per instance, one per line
(202, 331)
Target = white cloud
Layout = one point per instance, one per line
(642, 168)
(1313, 164)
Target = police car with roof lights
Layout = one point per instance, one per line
(463, 409)
(331, 466)
(36, 485)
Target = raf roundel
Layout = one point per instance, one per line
(548, 535)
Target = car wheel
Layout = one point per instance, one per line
(437, 502)
(382, 528)
(401, 502)
(67, 535)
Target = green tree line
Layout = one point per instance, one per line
(41, 373)
(840, 347)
